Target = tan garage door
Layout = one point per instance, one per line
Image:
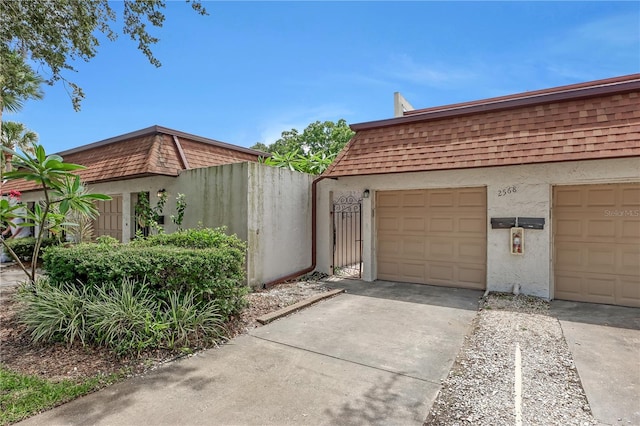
(436, 236)
(597, 243)
(109, 221)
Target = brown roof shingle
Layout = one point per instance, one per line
(602, 125)
(151, 151)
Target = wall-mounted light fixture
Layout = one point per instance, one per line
(366, 193)
(161, 192)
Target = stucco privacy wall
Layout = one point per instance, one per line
(532, 198)
(215, 196)
(279, 223)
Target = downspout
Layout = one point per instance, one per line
(313, 242)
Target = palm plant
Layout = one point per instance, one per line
(18, 81)
(14, 136)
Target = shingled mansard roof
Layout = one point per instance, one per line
(152, 151)
(598, 119)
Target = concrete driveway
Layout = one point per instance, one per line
(605, 343)
(374, 355)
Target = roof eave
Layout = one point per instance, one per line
(336, 176)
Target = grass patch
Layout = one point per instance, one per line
(22, 396)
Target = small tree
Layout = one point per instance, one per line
(181, 205)
(149, 217)
(63, 193)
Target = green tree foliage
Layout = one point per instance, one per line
(18, 81)
(55, 33)
(15, 135)
(311, 151)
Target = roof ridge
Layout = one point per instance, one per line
(530, 94)
(615, 85)
(156, 129)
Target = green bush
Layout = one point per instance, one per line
(125, 318)
(212, 274)
(23, 247)
(107, 240)
(192, 238)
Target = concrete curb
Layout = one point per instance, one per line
(266, 319)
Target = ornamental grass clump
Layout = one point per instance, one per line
(55, 313)
(125, 318)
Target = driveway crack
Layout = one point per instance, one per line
(348, 360)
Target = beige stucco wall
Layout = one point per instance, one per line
(279, 223)
(532, 198)
(126, 188)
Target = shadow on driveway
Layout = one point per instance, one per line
(596, 314)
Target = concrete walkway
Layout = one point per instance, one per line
(605, 343)
(374, 355)
(10, 275)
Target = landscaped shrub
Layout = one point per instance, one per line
(126, 317)
(212, 274)
(107, 240)
(23, 247)
(192, 238)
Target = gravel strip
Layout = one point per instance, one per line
(479, 389)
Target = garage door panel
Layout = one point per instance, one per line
(628, 292)
(568, 285)
(629, 259)
(568, 197)
(414, 271)
(441, 199)
(630, 197)
(389, 224)
(413, 249)
(569, 256)
(453, 249)
(387, 199)
(388, 269)
(597, 243)
(598, 229)
(413, 224)
(469, 275)
(440, 248)
(441, 272)
(471, 226)
(441, 224)
(389, 247)
(630, 229)
(601, 197)
(601, 286)
(472, 251)
(569, 228)
(413, 199)
(602, 258)
(475, 198)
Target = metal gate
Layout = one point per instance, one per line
(347, 236)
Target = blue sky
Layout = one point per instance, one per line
(251, 70)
